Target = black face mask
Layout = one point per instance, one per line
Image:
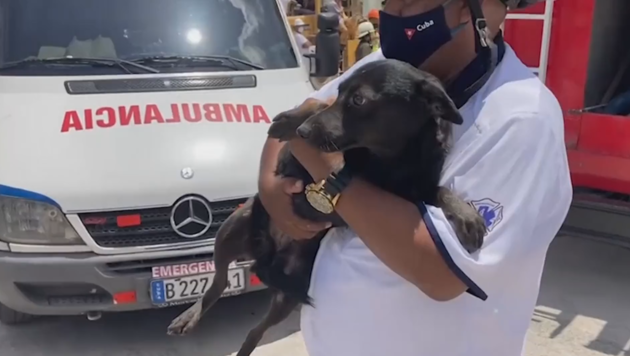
(413, 39)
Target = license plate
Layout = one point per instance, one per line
(165, 291)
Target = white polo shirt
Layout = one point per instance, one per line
(509, 161)
(300, 40)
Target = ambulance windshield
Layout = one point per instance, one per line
(245, 30)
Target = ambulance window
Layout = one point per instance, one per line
(130, 29)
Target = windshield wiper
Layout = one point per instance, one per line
(121, 63)
(225, 61)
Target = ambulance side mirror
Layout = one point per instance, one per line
(325, 61)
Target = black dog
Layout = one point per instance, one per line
(393, 123)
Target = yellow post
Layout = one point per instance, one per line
(350, 56)
(318, 10)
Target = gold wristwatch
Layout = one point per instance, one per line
(324, 195)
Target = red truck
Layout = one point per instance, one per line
(579, 49)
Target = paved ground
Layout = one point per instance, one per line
(583, 310)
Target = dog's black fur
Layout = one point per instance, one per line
(393, 124)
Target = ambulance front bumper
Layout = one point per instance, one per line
(73, 284)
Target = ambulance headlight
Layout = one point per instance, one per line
(30, 222)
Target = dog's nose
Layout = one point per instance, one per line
(304, 131)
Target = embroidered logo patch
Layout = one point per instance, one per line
(410, 32)
(490, 210)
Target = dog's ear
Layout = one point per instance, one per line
(443, 107)
(285, 124)
(429, 90)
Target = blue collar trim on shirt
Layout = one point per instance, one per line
(474, 71)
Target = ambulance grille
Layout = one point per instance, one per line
(154, 228)
(140, 85)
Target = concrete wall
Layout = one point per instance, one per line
(374, 4)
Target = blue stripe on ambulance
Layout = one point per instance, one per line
(13, 192)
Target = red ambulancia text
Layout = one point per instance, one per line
(106, 117)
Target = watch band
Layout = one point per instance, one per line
(336, 182)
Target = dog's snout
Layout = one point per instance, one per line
(304, 131)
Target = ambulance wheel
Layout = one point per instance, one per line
(9, 316)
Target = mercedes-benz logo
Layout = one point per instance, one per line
(191, 217)
(187, 173)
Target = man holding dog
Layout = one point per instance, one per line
(397, 282)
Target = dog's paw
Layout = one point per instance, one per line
(470, 228)
(186, 321)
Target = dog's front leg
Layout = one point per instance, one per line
(285, 124)
(469, 226)
(229, 246)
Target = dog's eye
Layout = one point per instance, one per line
(358, 100)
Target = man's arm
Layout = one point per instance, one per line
(516, 167)
(342, 24)
(393, 229)
(268, 161)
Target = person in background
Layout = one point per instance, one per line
(374, 18)
(304, 7)
(366, 31)
(298, 32)
(334, 6)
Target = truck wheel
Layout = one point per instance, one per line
(9, 316)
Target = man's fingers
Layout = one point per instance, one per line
(316, 227)
(299, 229)
(307, 230)
(292, 186)
(310, 226)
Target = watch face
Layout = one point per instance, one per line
(319, 202)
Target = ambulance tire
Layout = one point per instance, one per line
(9, 316)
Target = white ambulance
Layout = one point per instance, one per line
(129, 131)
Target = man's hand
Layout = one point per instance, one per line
(275, 194)
(317, 163)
